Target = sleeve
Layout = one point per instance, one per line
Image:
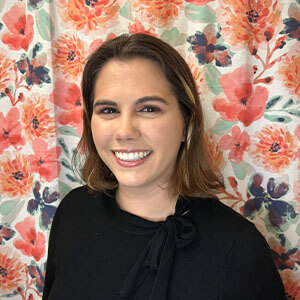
(50, 269)
(249, 272)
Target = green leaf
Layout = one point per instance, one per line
(221, 125)
(203, 13)
(238, 170)
(173, 37)
(294, 112)
(212, 75)
(71, 178)
(125, 11)
(2, 4)
(272, 102)
(278, 119)
(8, 206)
(10, 217)
(65, 163)
(64, 146)
(68, 130)
(298, 230)
(44, 24)
(289, 103)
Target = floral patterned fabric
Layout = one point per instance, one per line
(245, 57)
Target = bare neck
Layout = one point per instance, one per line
(154, 204)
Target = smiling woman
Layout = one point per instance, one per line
(147, 225)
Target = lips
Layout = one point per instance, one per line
(132, 158)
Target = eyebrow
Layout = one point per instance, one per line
(139, 101)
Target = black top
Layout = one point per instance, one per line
(205, 251)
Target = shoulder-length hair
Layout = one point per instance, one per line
(194, 175)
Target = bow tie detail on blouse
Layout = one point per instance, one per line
(176, 232)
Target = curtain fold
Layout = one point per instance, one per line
(245, 58)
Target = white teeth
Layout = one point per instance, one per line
(132, 156)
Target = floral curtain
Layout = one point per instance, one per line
(245, 57)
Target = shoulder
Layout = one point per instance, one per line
(213, 215)
(79, 201)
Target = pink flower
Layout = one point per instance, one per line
(242, 103)
(95, 44)
(20, 27)
(237, 143)
(32, 242)
(10, 130)
(68, 97)
(44, 161)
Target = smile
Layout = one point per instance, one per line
(132, 156)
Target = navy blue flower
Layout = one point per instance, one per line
(278, 210)
(292, 24)
(42, 202)
(204, 45)
(33, 68)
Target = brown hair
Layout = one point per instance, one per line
(193, 176)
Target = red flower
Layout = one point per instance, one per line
(241, 102)
(237, 143)
(68, 96)
(10, 130)
(32, 242)
(44, 161)
(20, 26)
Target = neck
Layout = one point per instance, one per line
(154, 204)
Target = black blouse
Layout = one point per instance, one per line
(204, 251)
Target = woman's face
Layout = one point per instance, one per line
(137, 125)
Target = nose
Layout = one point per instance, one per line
(127, 127)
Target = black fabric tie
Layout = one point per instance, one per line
(158, 255)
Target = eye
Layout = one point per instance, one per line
(108, 111)
(150, 109)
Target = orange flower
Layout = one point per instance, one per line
(292, 286)
(248, 23)
(69, 56)
(12, 271)
(89, 14)
(15, 179)
(6, 70)
(289, 73)
(199, 76)
(215, 154)
(275, 149)
(36, 118)
(157, 12)
(138, 27)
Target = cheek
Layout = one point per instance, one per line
(100, 135)
(165, 135)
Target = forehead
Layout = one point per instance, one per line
(136, 75)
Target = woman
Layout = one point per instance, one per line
(147, 225)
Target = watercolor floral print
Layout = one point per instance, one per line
(245, 59)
